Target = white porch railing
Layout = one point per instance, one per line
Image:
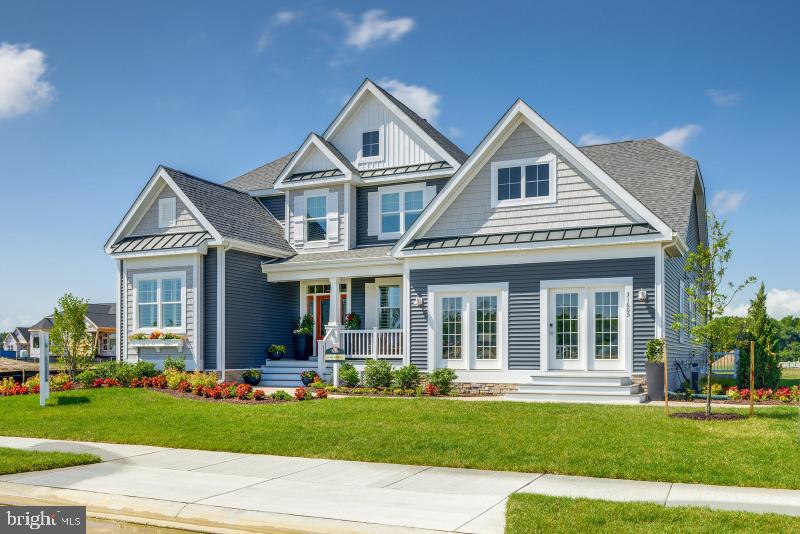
(373, 343)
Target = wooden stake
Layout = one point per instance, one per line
(666, 381)
(752, 373)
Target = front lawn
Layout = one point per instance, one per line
(790, 377)
(539, 513)
(19, 461)
(604, 441)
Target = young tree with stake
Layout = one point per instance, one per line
(68, 337)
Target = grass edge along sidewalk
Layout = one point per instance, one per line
(576, 439)
(14, 461)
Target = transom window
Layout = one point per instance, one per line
(399, 210)
(527, 181)
(160, 301)
(323, 289)
(370, 144)
(316, 219)
(388, 307)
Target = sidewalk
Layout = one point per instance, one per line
(231, 492)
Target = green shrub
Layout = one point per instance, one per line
(175, 377)
(281, 395)
(254, 374)
(142, 369)
(378, 374)
(407, 377)
(86, 378)
(124, 374)
(106, 369)
(442, 379)
(57, 381)
(199, 378)
(716, 389)
(32, 382)
(176, 363)
(348, 375)
(655, 351)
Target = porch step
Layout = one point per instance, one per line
(592, 398)
(581, 377)
(580, 386)
(286, 373)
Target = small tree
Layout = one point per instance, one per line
(68, 337)
(708, 293)
(761, 329)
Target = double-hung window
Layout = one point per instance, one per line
(371, 144)
(160, 301)
(316, 218)
(400, 206)
(524, 181)
(389, 307)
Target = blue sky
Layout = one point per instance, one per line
(93, 95)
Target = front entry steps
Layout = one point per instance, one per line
(580, 386)
(286, 373)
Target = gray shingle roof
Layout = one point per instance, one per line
(102, 315)
(23, 331)
(362, 253)
(261, 178)
(45, 324)
(450, 147)
(160, 241)
(234, 214)
(659, 177)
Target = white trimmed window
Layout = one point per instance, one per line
(524, 181)
(389, 311)
(371, 144)
(316, 219)
(167, 212)
(160, 302)
(401, 205)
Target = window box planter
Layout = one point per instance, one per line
(157, 344)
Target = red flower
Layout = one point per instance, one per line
(322, 394)
(300, 394)
(243, 391)
(184, 386)
(259, 394)
(431, 390)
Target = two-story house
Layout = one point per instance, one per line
(530, 264)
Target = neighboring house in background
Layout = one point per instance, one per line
(531, 265)
(16, 341)
(101, 321)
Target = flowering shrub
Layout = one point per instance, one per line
(733, 393)
(322, 394)
(159, 381)
(431, 390)
(243, 391)
(301, 394)
(184, 386)
(198, 390)
(104, 383)
(9, 387)
(259, 394)
(783, 394)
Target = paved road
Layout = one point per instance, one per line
(215, 489)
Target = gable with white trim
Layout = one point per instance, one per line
(313, 160)
(399, 144)
(158, 216)
(577, 201)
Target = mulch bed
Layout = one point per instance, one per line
(741, 402)
(192, 396)
(701, 416)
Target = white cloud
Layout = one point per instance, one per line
(593, 138)
(374, 28)
(454, 131)
(281, 18)
(723, 98)
(780, 303)
(727, 201)
(678, 136)
(22, 87)
(421, 99)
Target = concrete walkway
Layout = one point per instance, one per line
(230, 492)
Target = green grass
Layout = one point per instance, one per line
(790, 377)
(19, 461)
(538, 513)
(606, 441)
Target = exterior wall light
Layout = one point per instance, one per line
(641, 296)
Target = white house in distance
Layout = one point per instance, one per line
(17, 341)
(100, 324)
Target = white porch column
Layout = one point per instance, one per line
(335, 303)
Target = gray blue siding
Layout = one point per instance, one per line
(276, 205)
(210, 309)
(258, 313)
(362, 212)
(524, 313)
(357, 296)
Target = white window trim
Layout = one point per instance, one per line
(371, 159)
(158, 277)
(172, 202)
(401, 189)
(523, 200)
(584, 288)
(468, 292)
(321, 243)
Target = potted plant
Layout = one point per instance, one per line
(309, 377)
(251, 377)
(352, 321)
(276, 352)
(303, 338)
(654, 369)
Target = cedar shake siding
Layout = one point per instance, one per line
(184, 220)
(258, 313)
(523, 307)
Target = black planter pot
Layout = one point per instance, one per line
(251, 380)
(303, 346)
(306, 381)
(654, 373)
(274, 355)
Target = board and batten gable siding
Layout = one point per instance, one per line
(184, 220)
(276, 205)
(258, 313)
(399, 144)
(674, 272)
(523, 306)
(293, 194)
(579, 201)
(188, 343)
(210, 309)
(362, 211)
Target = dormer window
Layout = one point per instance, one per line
(524, 181)
(316, 222)
(371, 144)
(166, 212)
